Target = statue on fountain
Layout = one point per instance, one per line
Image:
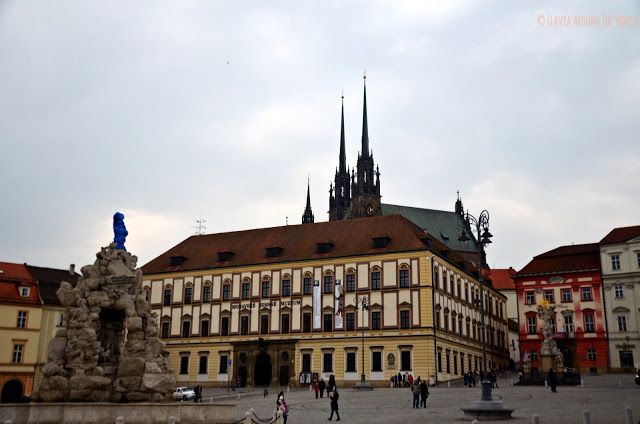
(551, 356)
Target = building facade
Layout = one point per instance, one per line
(568, 278)
(620, 258)
(20, 323)
(502, 280)
(279, 306)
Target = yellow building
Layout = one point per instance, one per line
(20, 322)
(278, 305)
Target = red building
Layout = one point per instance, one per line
(569, 278)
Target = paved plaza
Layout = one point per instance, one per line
(601, 396)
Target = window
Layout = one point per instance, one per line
(224, 326)
(455, 363)
(622, 323)
(404, 319)
(188, 295)
(264, 324)
(438, 318)
(445, 281)
(307, 287)
(568, 323)
(453, 323)
(206, 293)
(405, 360)
(351, 282)
(548, 296)
(25, 291)
(22, 319)
(306, 322)
(638, 259)
(166, 296)
(375, 320)
(531, 325)
(246, 290)
(327, 362)
(375, 280)
(446, 320)
(244, 325)
(186, 328)
(222, 369)
(328, 284)
(376, 361)
(61, 320)
(265, 289)
(436, 276)
(589, 325)
(351, 321)
(184, 364)
(306, 362)
(459, 289)
(530, 297)
(226, 291)
(619, 291)
(565, 295)
(404, 278)
(592, 355)
(203, 364)
(534, 355)
(466, 293)
(351, 362)
(460, 324)
(147, 294)
(439, 361)
(204, 328)
(327, 322)
(18, 350)
(586, 293)
(448, 361)
(468, 333)
(165, 330)
(285, 323)
(286, 287)
(615, 262)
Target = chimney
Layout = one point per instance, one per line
(72, 269)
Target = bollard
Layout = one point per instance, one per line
(586, 417)
(172, 420)
(475, 422)
(620, 384)
(535, 419)
(238, 397)
(287, 389)
(581, 383)
(120, 420)
(628, 415)
(545, 383)
(448, 384)
(247, 417)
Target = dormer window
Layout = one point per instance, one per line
(324, 247)
(178, 260)
(225, 256)
(25, 291)
(380, 242)
(274, 252)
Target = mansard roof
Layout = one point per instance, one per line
(573, 258)
(621, 235)
(348, 238)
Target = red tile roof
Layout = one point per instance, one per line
(574, 258)
(352, 237)
(12, 276)
(502, 279)
(621, 235)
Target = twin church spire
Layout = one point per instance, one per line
(354, 193)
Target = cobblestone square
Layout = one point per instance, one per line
(601, 396)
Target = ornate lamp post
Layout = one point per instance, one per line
(363, 303)
(480, 226)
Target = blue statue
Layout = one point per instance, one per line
(119, 231)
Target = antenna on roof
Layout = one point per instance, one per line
(200, 227)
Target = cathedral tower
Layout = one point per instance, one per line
(339, 203)
(307, 217)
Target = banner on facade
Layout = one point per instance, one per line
(338, 305)
(317, 305)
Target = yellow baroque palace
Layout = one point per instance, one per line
(283, 305)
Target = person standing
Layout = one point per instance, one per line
(322, 385)
(332, 384)
(424, 393)
(334, 404)
(552, 378)
(415, 389)
(316, 388)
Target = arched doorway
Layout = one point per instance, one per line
(12, 392)
(262, 372)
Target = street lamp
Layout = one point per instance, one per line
(480, 226)
(363, 302)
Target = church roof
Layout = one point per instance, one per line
(322, 240)
(621, 235)
(444, 225)
(573, 258)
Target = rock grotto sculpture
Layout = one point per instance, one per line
(109, 350)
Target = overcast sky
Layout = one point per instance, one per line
(174, 111)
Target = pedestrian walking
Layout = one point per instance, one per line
(322, 385)
(399, 380)
(415, 390)
(475, 377)
(316, 388)
(331, 386)
(283, 408)
(552, 378)
(198, 391)
(424, 393)
(334, 404)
